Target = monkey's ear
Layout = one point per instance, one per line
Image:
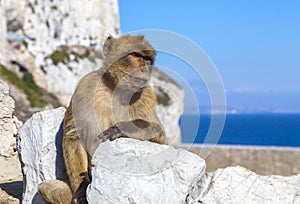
(108, 44)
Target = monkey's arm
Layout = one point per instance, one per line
(126, 129)
(138, 121)
(144, 129)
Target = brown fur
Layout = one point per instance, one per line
(113, 100)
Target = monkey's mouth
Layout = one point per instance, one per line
(138, 82)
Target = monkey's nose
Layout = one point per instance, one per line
(144, 69)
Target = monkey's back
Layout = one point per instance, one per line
(89, 110)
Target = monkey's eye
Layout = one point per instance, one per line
(146, 58)
(135, 54)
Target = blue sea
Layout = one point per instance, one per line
(245, 129)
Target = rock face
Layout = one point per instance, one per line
(38, 29)
(2, 31)
(63, 22)
(40, 151)
(82, 26)
(170, 104)
(239, 185)
(8, 123)
(60, 41)
(134, 171)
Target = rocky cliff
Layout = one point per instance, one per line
(2, 31)
(170, 104)
(58, 41)
(54, 43)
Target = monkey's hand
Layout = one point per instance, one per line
(132, 129)
(111, 133)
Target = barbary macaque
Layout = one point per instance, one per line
(115, 101)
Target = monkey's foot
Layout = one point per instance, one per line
(79, 196)
(79, 200)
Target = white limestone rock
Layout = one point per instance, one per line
(13, 47)
(39, 146)
(133, 171)
(239, 185)
(37, 28)
(171, 107)
(50, 24)
(7, 124)
(67, 74)
(2, 32)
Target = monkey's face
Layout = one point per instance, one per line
(129, 61)
(139, 68)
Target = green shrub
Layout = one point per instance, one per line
(163, 98)
(60, 56)
(33, 92)
(28, 78)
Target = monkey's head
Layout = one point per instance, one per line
(128, 62)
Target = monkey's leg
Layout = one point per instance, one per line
(76, 161)
(55, 191)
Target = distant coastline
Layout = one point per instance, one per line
(259, 129)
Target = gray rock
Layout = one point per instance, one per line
(7, 125)
(133, 171)
(239, 185)
(39, 146)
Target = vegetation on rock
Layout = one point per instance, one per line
(60, 56)
(27, 85)
(163, 97)
(64, 54)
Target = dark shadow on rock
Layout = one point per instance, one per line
(60, 168)
(14, 189)
(38, 199)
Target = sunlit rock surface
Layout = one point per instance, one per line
(239, 185)
(9, 123)
(133, 171)
(40, 151)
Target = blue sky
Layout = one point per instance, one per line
(255, 46)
